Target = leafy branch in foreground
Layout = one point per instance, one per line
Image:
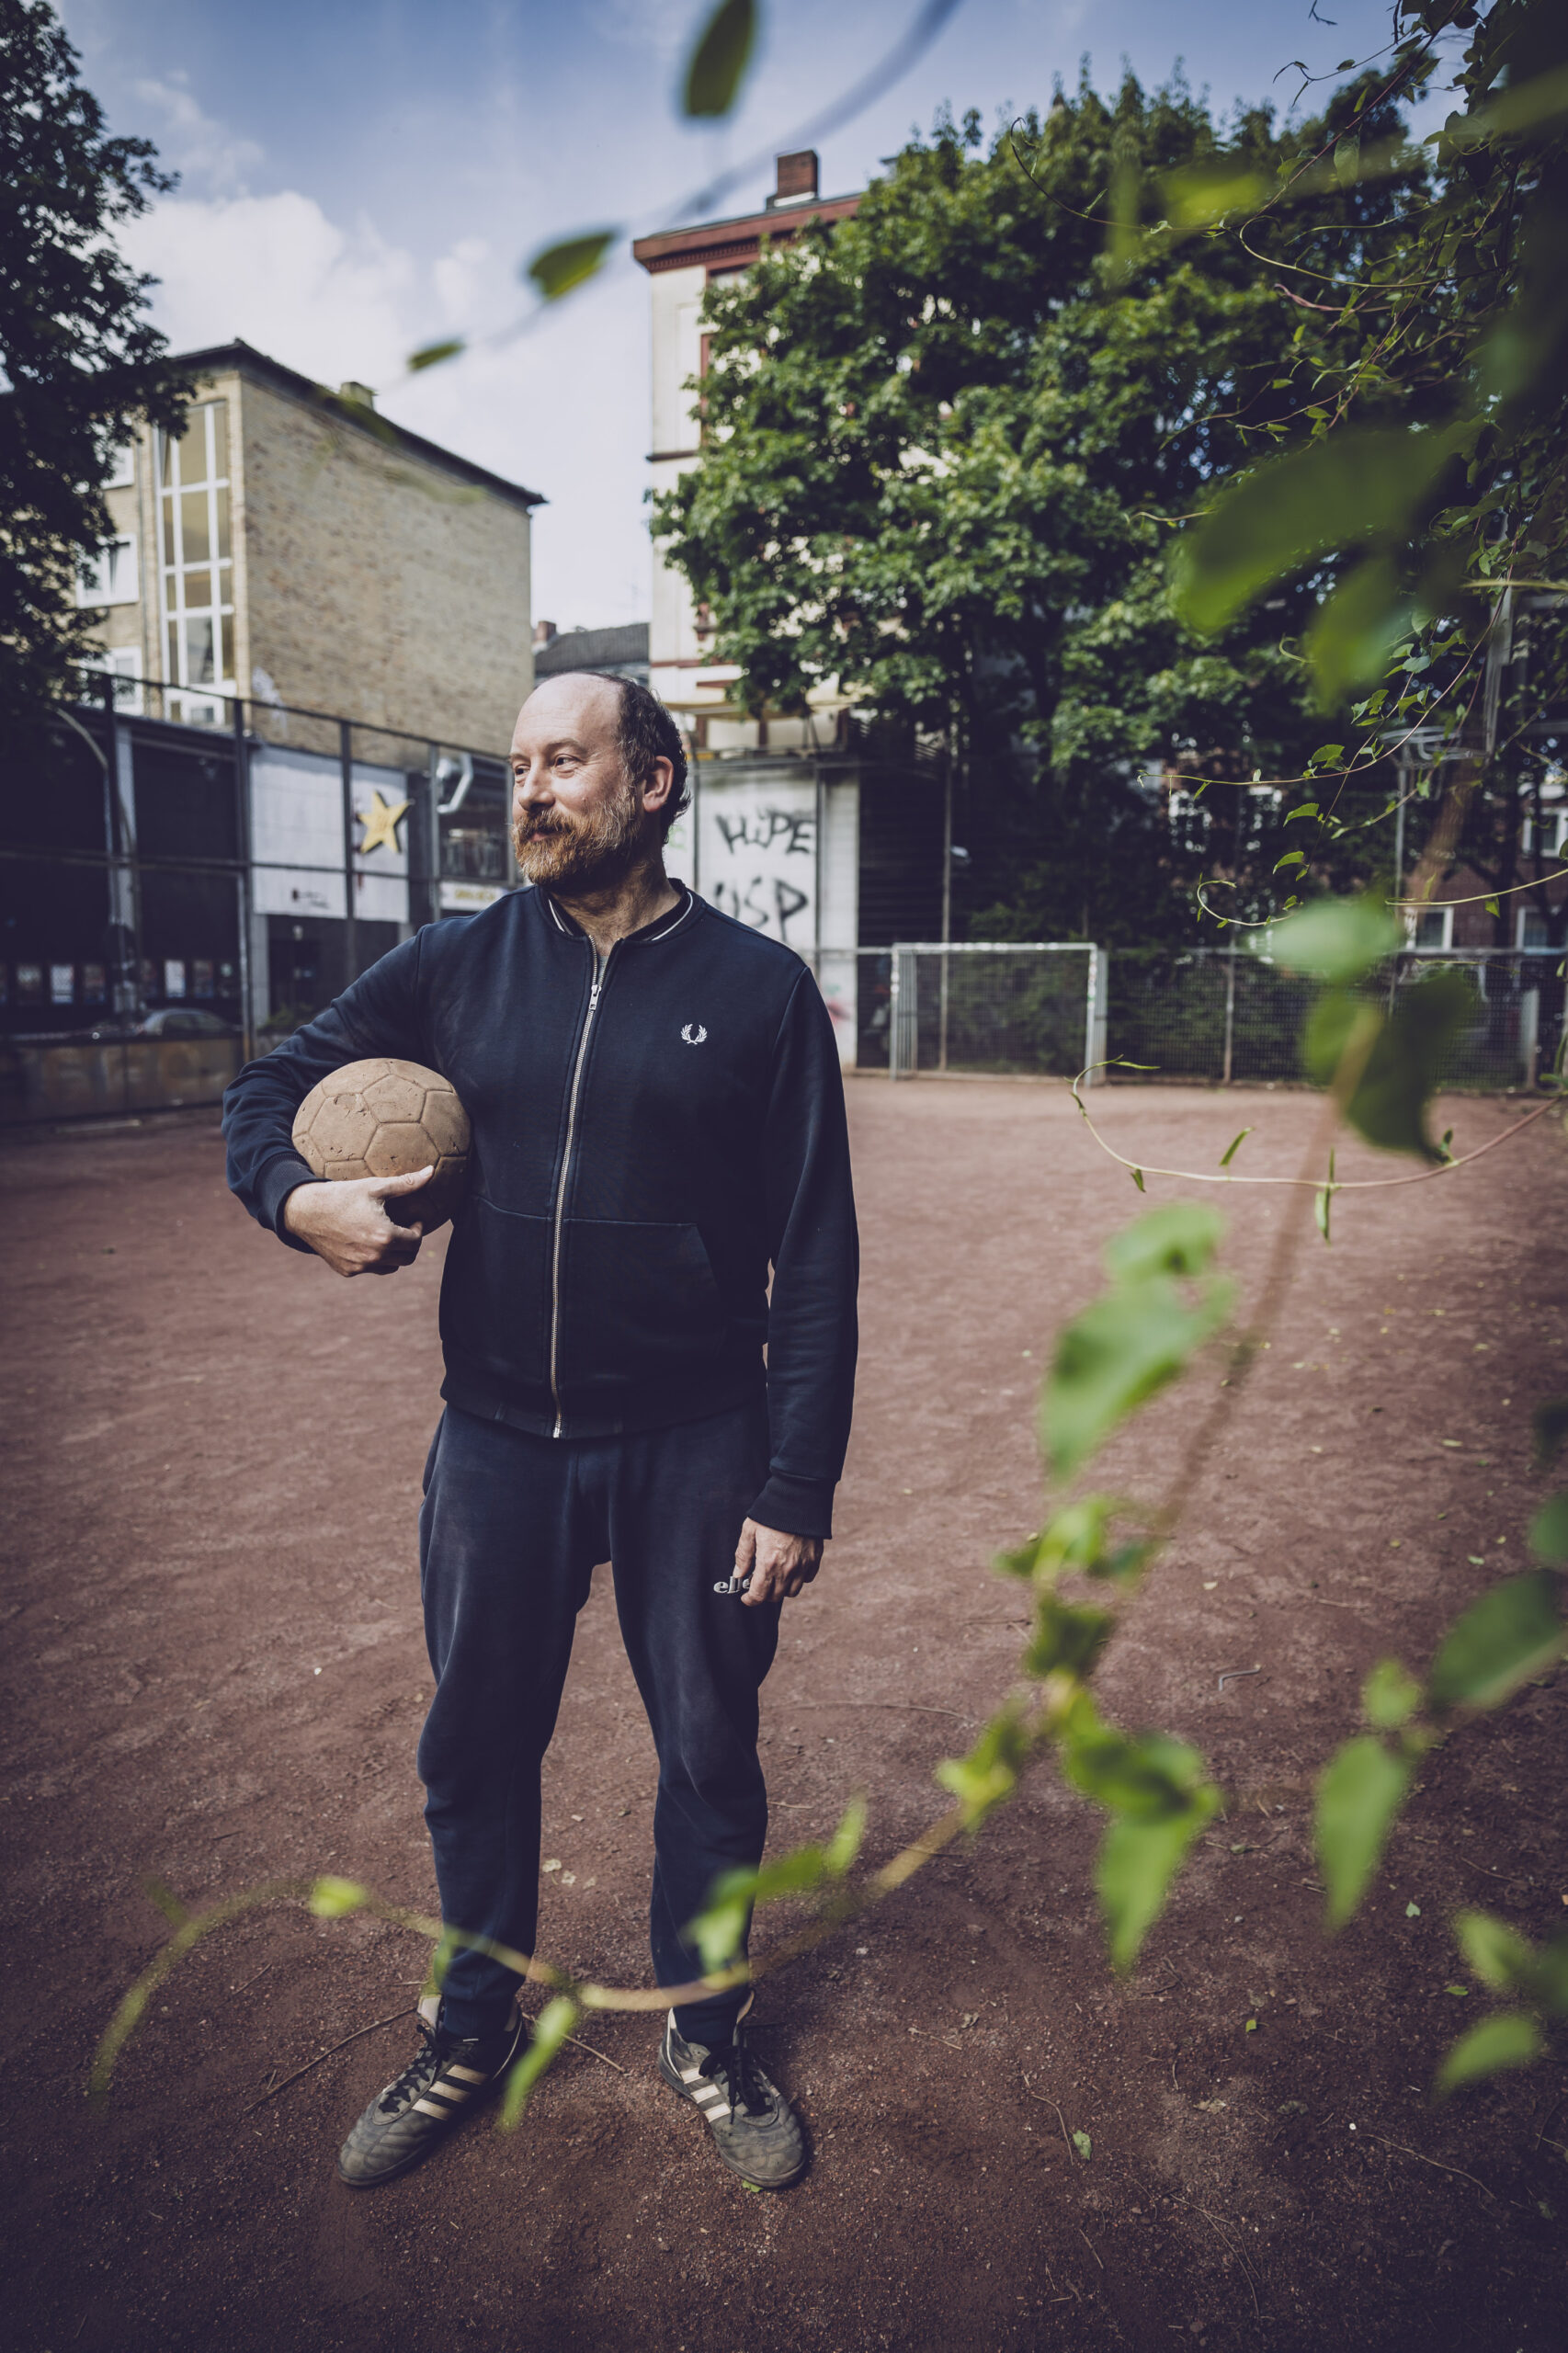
(1512, 1635)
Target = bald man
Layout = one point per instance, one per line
(659, 1188)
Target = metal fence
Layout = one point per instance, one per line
(1205, 1017)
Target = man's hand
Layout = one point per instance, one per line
(346, 1223)
(780, 1566)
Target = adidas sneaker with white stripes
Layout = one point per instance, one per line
(446, 2080)
(754, 2129)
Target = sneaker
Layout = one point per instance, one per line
(755, 2129)
(446, 2080)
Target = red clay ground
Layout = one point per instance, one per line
(215, 1676)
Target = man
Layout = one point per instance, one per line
(658, 1120)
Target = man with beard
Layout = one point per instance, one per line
(658, 1125)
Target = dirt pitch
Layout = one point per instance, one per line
(214, 1676)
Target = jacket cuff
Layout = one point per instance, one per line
(795, 1506)
(273, 1186)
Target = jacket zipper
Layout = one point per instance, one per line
(600, 967)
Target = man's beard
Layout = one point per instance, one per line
(585, 854)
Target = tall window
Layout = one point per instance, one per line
(197, 562)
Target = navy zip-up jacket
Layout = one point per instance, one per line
(650, 1137)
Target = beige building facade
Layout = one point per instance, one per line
(293, 547)
(682, 264)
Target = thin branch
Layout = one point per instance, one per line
(357, 2035)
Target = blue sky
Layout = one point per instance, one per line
(360, 176)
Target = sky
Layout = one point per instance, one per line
(361, 177)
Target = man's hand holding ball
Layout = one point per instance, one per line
(346, 1223)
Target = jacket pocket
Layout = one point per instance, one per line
(637, 1302)
(495, 1294)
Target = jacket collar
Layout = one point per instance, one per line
(660, 928)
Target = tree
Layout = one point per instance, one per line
(81, 361)
(944, 446)
(1421, 505)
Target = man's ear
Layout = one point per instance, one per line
(656, 790)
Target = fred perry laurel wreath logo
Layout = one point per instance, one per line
(694, 1033)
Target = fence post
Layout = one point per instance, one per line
(1096, 1012)
(903, 1016)
(243, 879)
(346, 766)
(1230, 1012)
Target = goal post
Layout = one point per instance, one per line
(1033, 1009)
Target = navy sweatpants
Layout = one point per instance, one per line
(510, 1532)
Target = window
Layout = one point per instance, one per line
(121, 475)
(1550, 839)
(1532, 928)
(1433, 928)
(109, 578)
(196, 564)
(123, 665)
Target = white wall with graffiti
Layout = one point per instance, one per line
(781, 853)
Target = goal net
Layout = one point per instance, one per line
(1035, 1008)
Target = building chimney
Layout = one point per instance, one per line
(359, 395)
(797, 178)
(544, 634)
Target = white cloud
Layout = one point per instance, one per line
(563, 408)
(198, 146)
(275, 271)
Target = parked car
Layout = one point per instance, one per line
(184, 1022)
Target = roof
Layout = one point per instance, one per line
(251, 362)
(731, 245)
(592, 649)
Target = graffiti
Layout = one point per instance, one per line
(767, 902)
(767, 828)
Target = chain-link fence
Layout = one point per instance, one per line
(1205, 1017)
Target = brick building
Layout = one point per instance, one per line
(296, 547)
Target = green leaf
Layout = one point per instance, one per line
(845, 1843)
(1326, 756)
(1353, 635)
(1361, 482)
(333, 1899)
(719, 61)
(1408, 1058)
(1390, 1696)
(1065, 1638)
(1137, 1177)
(1332, 939)
(1511, 1634)
(719, 1929)
(988, 1773)
(1137, 1863)
(1322, 1201)
(1549, 1426)
(1180, 1239)
(1199, 194)
(559, 268)
(1361, 1792)
(1073, 1538)
(1123, 1348)
(432, 355)
(550, 2030)
(1494, 1952)
(1548, 1538)
(1233, 1147)
(1084, 2145)
(1149, 1775)
(1509, 2040)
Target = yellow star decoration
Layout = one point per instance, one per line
(381, 823)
